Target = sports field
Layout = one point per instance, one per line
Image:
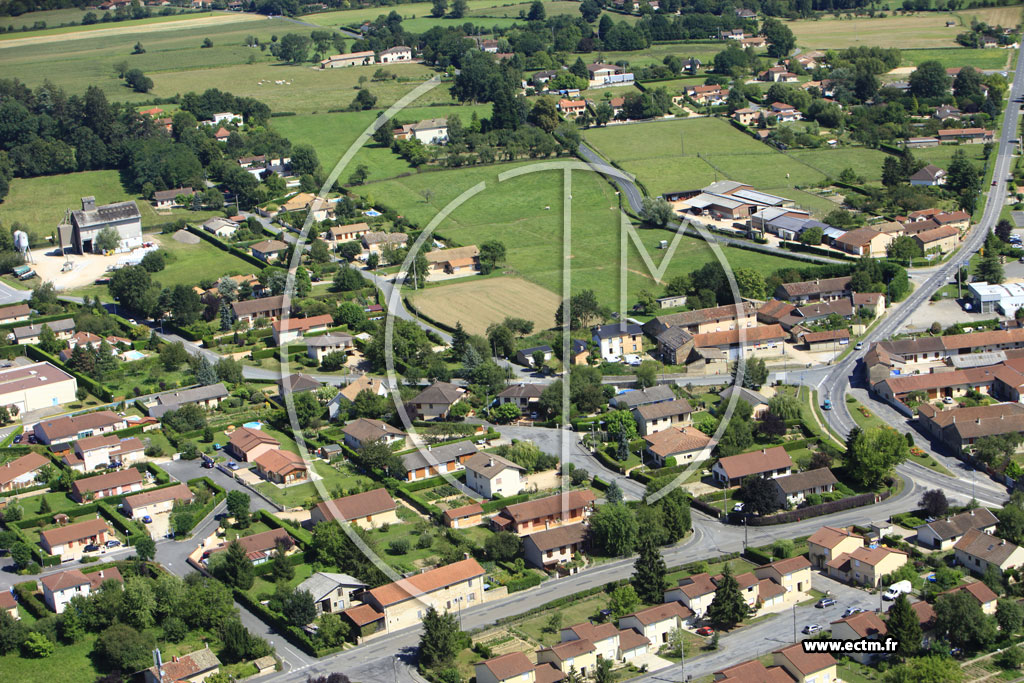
(477, 303)
(525, 214)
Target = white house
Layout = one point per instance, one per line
(491, 475)
(58, 589)
(398, 53)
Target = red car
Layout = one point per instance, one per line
(705, 631)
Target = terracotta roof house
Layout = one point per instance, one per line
(806, 667)
(423, 463)
(157, 500)
(259, 547)
(368, 510)
(403, 602)
(59, 588)
(864, 242)
(655, 417)
(978, 590)
(246, 443)
(281, 467)
(657, 623)
(753, 672)
(684, 444)
(21, 472)
(69, 541)
(268, 250)
(765, 341)
(768, 463)
(191, 668)
(828, 542)
(866, 566)
(64, 429)
(860, 626)
(463, 516)
(545, 513)
(509, 668)
(128, 480)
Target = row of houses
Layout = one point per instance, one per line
(391, 55)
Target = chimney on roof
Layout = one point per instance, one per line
(88, 203)
(490, 462)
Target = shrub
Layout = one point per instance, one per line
(399, 546)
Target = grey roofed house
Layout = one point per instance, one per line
(384, 237)
(328, 340)
(523, 390)
(91, 214)
(930, 173)
(674, 338)
(436, 455)
(663, 409)
(489, 465)
(749, 395)
(991, 549)
(57, 326)
(268, 304)
(686, 319)
(639, 397)
(299, 382)
(439, 392)
(174, 400)
(617, 330)
(319, 584)
(90, 220)
(958, 525)
(367, 430)
(801, 481)
(164, 195)
(724, 187)
(807, 288)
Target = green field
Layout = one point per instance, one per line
(866, 162)
(690, 153)
(52, 17)
(525, 214)
(176, 64)
(952, 57)
(655, 54)
(941, 155)
(39, 203)
(332, 134)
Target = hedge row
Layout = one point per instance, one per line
(706, 508)
(495, 505)
(820, 251)
(223, 246)
(27, 598)
(303, 538)
(420, 314)
(292, 634)
(524, 583)
(828, 508)
(430, 483)
(133, 531)
(41, 558)
(95, 388)
(215, 500)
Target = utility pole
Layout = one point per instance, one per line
(794, 624)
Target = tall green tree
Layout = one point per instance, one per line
(649, 571)
(236, 568)
(904, 626)
(441, 639)
(728, 608)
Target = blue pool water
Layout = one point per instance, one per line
(372, 213)
(253, 425)
(133, 355)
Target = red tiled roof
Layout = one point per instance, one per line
(427, 582)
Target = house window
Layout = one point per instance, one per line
(472, 597)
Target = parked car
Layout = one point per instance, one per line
(113, 543)
(738, 507)
(827, 405)
(232, 466)
(850, 611)
(859, 346)
(91, 548)
(825, 602)
(705, 631)
(811, 629)
(146, 519)
(948, 400)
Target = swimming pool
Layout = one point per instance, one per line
(253, 425)
(372, 213)
(133, 355)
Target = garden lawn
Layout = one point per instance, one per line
(59, 502)
(191, 263)
(300, 494)
(578, 612)
(67, 663)
(148, 375)
(39, 203)
(407, 561)
(865, 162)
(524, 213)
(264, 586)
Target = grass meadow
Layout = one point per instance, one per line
(525, 214)
(39, 203)
(120, 27)
(962, 56)
(927, 29)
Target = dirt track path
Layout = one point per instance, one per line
(217, 19)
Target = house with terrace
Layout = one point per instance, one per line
(281, 467)
(207, 397)
(434, 402)
(490, 475)
(828, 543)
(866, 566)
(65, 429)
(251, 310)
(246, 443)
(547, 549)
(21, 472)
(628, 400)
(332, 592)
(323, 345)
(117, 483)
(260, 547)
(70, 541)
(679, 444)
(525, 396)
(656, 417)
(976, 550)
(793, 490)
